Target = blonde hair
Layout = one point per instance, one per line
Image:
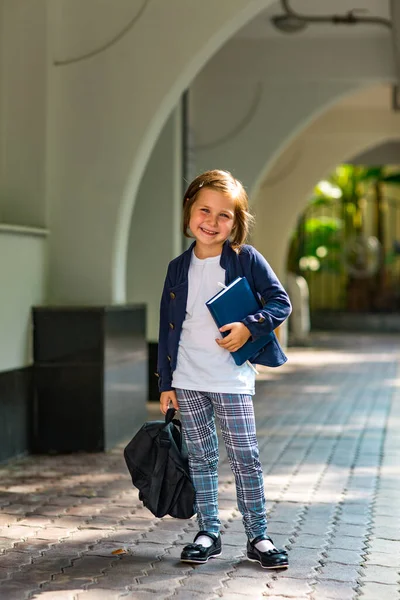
(221, 181)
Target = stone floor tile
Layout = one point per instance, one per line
(305, 540)
(386, 546)
(136, 523)
(382, 559)
(87, 508)
(346, 542)
(379, 574)
(247, 586)
(387, 533)
(16, 532)
(141, 596)
(6, 519)
(55, 595)
(13, 559)
(228, 595)
(375, 591)
(166, 537)
(200, 584)
(14, 591)
(287, 587)
(6, 544)
(97, 594)
(347, 557)
(339, 572)
(334, 590)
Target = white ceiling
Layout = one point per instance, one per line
(261, 27)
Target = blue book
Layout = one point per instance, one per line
(234, 303)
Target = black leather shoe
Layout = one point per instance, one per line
(196, 553)
(271, 559)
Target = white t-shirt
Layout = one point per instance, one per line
(202, 365)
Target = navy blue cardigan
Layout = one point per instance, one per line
(249, 263)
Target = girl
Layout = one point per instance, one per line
(196, 371)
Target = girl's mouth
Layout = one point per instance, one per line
(208, 232)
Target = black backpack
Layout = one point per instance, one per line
(157, 461)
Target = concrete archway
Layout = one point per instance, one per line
(339, 134)
(99, 142)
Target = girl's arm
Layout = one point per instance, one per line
(276, 304)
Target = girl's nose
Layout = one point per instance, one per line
(213, 220)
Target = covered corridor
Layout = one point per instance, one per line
(328, 427)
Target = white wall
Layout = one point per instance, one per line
(23, 106)
(22, 285)
(105, 115)
(155, 234)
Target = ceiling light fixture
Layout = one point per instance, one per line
(294, 22)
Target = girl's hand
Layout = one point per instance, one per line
(166, 398)
(239, 334)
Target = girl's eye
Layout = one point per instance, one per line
(205, 210)
(224, 215)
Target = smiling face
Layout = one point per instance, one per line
(212, 218)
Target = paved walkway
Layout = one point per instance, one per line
(329, 432)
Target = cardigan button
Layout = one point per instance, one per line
(172, 295)
(157, 374)
(169, 358)
(261, 320)
(171, 326)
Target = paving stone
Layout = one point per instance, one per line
(381, 545)
(96, 594)
(198, 583)
(15, 591)
(346, 542)
(16, 532)
(306, 540)
(136, 524)
(17, 509)
(14, 559)
(6, 519)
(386, 521)
(106, 548)
(308, 447)
(347, 557)
(158, 583)
(287, 587)
(345, 529)
(387, 533)
(373, 591)
(148, 550)
(339, 572)
(166, 537)
(379, 574)
(5, 544)
(383, 559)
(247, 586)
(70, 581)
(354, 519)
(50, 511)
(143, 596)
(125, 536)
(57, 595)
(34, 520)
(32, 578)
(334, 590)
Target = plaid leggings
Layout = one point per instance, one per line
(236, 418)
